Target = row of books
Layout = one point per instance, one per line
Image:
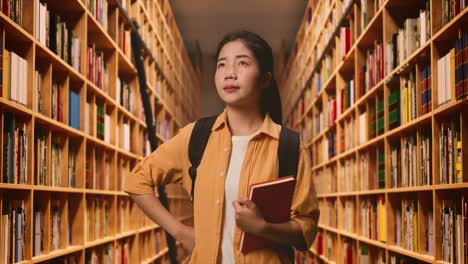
(125, 96)
(57, 222)
(372, 166)
(450, 145)
(461, 66)
(97, 218)
(372, 73)
(102, 255)
(38, 92)
(123, 219)
(331, 142)
(96, 67)
(125, 41)
(15, 150)
(324, 245)
(326, 180)
(349, 207)
(376, 119)
(98, 172)
(414, 34)
(397, 259)
(347, 251)
(122, 255)
(56, 163)
(12, 242)
(452, 74)
(368, 9)
(373, 219)
(14, 80)
(57, 101)
(318, 125)
(102, 123)
(451, 8)
(348, 174)
(367, 255)
(408, 225)
(408, 97)
(53, 32)
(454, 222)
(330, 213)
(99, 10)
(345, 40)
(346, 97)
(13, 10)
(347, 140)
(426, 90)
(56, 177)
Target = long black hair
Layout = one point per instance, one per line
(270, 101)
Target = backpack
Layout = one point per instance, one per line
(288, 149)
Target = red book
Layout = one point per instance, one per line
(273, 199)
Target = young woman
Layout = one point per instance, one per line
(241, 151)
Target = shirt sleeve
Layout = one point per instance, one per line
(169, 163)
(304, 208)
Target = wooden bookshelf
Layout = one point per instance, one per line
(379, 122)
(75, 128)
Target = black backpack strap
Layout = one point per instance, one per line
(199, 138)
(288, 152)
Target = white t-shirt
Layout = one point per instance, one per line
(231, 186)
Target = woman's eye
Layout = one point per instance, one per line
(243, 63)
(220, 65)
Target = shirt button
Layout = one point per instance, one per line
(221, 173)
(218, 202)
(226, 149)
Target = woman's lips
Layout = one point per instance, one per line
(231, 89)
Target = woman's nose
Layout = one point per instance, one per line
(231, 73)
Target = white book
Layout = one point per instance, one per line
(126, 137)
(76, 53)
(25, 81)
(439, 82)
(422, 26)
(37, 233)
(362, 128)
(38, 18)
(42, 23)
(446, 68)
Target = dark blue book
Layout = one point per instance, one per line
(74, 110)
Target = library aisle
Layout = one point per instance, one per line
(73, 127)
(378, 90)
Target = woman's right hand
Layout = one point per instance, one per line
(186, 236)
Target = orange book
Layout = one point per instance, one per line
(273, 199)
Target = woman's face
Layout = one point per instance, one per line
(238, 79)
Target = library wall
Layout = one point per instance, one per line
(378, 90)
(73, 127)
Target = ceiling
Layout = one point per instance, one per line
(209, 20)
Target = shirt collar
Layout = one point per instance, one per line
(268, 127)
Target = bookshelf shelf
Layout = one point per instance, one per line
(394, 152)
(73, 166)
(56, 254)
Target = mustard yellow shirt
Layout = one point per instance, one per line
(170, 164)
